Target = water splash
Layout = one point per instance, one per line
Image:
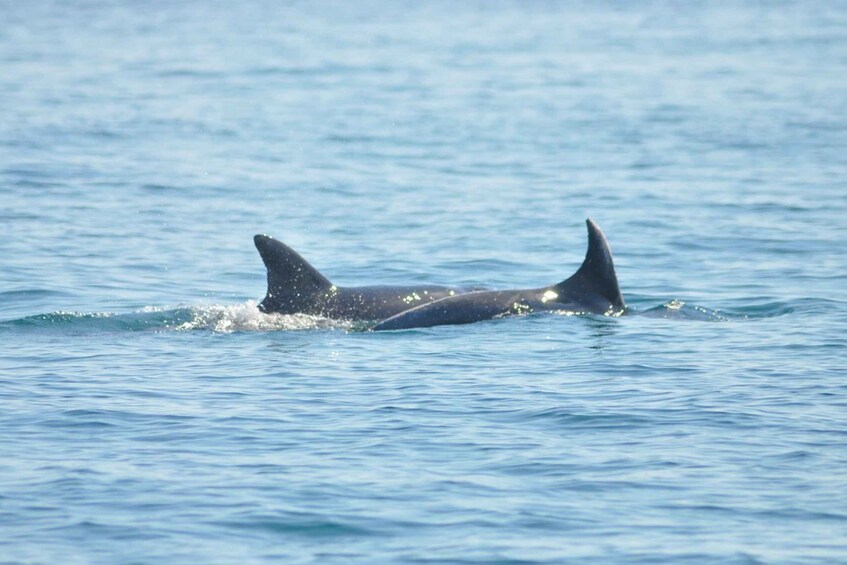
(217, 318)
(248, 318)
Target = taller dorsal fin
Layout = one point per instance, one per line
(291, 279)
(595, 281)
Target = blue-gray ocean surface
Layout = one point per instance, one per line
(150, 413)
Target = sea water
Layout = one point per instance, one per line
(149, 413)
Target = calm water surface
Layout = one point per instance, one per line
(149, 412)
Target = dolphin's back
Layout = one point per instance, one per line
(459, 309)
(295, 286)
(592, 289)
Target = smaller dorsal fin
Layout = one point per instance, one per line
(595, 280)
(291, 279)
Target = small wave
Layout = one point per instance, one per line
(29, 293)
(755, 310)
(246, 317)
(217, 318)
(679, 310)
(298, 524)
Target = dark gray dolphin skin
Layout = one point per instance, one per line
(592, 289)
(294, 286)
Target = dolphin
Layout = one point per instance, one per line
(592, 289)
(294, 286)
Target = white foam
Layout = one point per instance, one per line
(247, 317)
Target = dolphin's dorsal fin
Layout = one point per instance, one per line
(291, 279)
(595, 281)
